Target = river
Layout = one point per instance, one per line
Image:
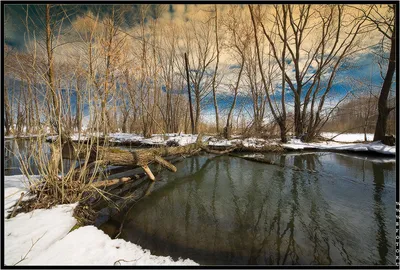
(222, 210)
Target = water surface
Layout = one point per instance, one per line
(23, 153)
(226, 210)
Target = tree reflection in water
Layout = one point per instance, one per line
(225, 210)
(379, 212)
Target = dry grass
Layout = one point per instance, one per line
(58, 184)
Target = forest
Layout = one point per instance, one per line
(249, 68)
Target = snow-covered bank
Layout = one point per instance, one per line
(30, 234)
(339, 143)
(296, 144)
(90, 246)
(376, 147)
(176, 139)
(347, 137)
(44, 237)
(13, 186)
(173, 139)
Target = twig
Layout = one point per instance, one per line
(30, 249)
(16, 206)
(122, 260)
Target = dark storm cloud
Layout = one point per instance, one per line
(16, 20)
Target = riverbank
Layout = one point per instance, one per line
(45, 237)
(48, 237)
(350, 142)
(373, 147)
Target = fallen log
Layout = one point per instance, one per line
(141, 158)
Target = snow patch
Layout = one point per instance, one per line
(13, 187)
(347, 137)
(220, 142)
(27, 235)
(90, 246)
(377, 147)
(248, 142)
(124, 137)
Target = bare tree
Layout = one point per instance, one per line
(278, 115)
(338, 34)
(198, 42)
(239, 42)
(8, 117)
(386, 25)
(214, 85)
(55, 119)
(112, 43)
(189, 93)
(167, 56)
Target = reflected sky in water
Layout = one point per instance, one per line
(226, 210)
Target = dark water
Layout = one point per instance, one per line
(226, 210)
(22, 151)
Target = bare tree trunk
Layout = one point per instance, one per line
(12, 106)
(78, 113)
(228, 127)
(7, 120)
(190, 95)
(198, 110)
(282, 122)
(69, 121)
(28, 115)
(367, 116)
(383, 110)
(20, 121)
(55, 117)
(298, 125)
(215, 72)
(36, 101)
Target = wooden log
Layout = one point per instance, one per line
(165, 163)
(148, 172)
(119, 157)
(141, 157)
